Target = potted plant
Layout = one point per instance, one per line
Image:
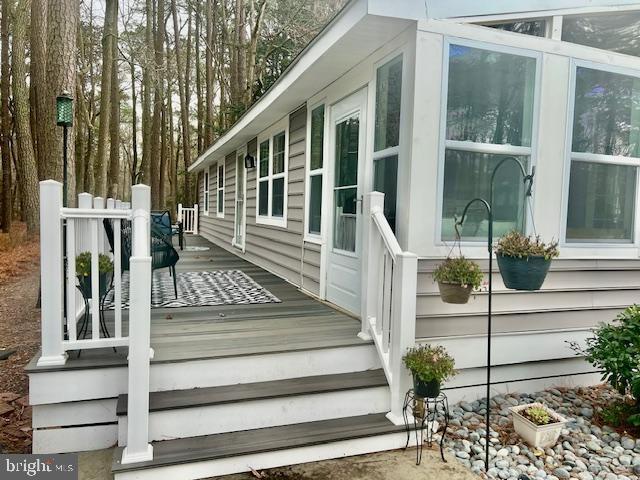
(83, 272)
(524, 261)
(430, 367)
(537, 424)
(456, 278)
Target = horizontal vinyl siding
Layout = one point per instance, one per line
(311, 268)
(220, 230)
(529, 328)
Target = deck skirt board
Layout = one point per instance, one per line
(263, 390)
(271, 439)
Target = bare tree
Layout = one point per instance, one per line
(38, 70)
(5, 117)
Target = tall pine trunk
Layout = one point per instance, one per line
(158, 104)
(5, 118)
(38, 81)
(114, 116)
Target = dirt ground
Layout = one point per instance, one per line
(20, 333)
(394, 465)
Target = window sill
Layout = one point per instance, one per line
(313, 239)
(272, 221)
(220, 215)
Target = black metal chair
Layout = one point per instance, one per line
(163, 254)
(162, 220)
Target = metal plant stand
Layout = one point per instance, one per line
(424, 412)
(528, 181)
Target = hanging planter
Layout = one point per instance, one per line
(83, 272)
(457, 277)
(524, 261)
(430, 367)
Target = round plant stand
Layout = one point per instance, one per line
(424, 412)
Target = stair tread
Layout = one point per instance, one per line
(225, 445)
(176, 399)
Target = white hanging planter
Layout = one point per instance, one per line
(539, 436)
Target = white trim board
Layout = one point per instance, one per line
(75, 439)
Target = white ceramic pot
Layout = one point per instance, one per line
(539, 436)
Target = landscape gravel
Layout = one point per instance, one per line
(585, 451)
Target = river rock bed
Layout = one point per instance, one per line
(585, 451)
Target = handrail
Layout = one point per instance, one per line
(390, 240)
(99, 213)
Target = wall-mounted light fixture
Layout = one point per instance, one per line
(249, 162)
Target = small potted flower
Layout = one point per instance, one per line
(524, 261)
(430, 366)
(456, 278)
(537, 424)
(83, 272)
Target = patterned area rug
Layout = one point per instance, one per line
(200, 289)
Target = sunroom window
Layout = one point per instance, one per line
(526, 27)
(316, 163)
(617, 32)
(387, 135)
(605, 152)
(272, 177)
(489, 116)
(220, 189)
(205, 188)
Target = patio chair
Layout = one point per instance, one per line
(162, 219)
(163, 254)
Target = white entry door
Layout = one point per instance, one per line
(346, 154)
(241, 193)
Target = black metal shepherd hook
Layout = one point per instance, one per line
(527, 180)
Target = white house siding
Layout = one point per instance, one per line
(311, 268)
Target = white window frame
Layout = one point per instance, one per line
(313, 237)
(206, 195)
(595, 158)
(502, 149)
(220, 211)
(277, 128)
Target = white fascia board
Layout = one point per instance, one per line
(341, 24)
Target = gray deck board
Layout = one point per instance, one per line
(175, 399)
(299, 322)
(212, 447)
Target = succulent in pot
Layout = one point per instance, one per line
(537, 424)
(524, 261)
(83, 272)
(457, 278)
(430, 366)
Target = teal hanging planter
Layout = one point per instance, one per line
(526, 273)
(422, 389)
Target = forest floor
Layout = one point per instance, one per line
(19, 335)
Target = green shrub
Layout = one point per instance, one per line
(430, 363)
(459, 271)
(615, 349)
(83, 264)
(515, 244)
(538, 415)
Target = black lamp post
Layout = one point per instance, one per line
(64, 119)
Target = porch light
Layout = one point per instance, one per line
(249, 162)
(64, 110)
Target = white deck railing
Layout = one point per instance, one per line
(389, 300)
(85, 232)
(189, 218)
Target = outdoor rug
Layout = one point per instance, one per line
(199, 289)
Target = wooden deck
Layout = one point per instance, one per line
(299, 322)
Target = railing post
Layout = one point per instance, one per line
(403, 329)
(51, 274)
(195, 219)
(138, 448)
(373, 201)
(179, 212)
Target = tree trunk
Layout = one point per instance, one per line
(26, 166)
(252, 54)
(38, 81)
(134, 120)
(209, 74)
(5, 117)
(184, 105)
(147, 89)
(100, 166)
(199, 106)
(114, 116)
(156, 151)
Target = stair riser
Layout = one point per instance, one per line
(261, 461)
(231, 417)
(92, 384)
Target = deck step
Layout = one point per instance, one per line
(206, 411)
(195, 397)
(223, 454)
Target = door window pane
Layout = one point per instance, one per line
(467, 175)
(277, 202)
(601, 202)
(388, 101)
(278, 153)
(607, 113)
(345, 219)
(315, 204)
(263, 198)
(220, 176)
(385, 180)
(264, 158)
(534, 27)
(490, 97)
(618, 32)
(317, 138)
(347, 136)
